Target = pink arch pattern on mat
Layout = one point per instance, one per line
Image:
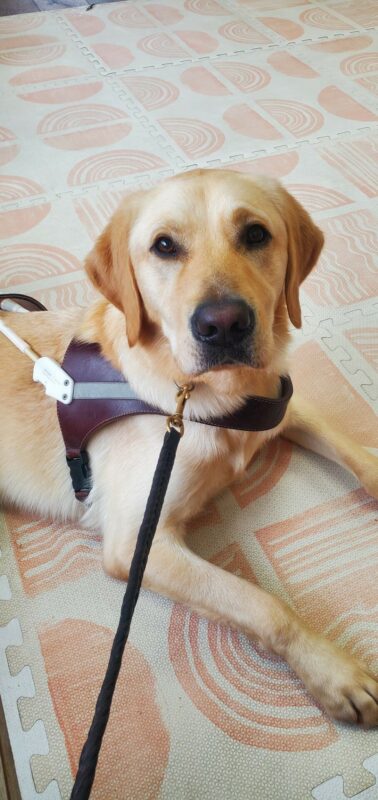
(284, 27)
(287, 64)
(164, 14)
(241, 689)
(321, 18)
(272, 166)
(31, 262)
(337, 102)
(342, 45)
(240, 31)
(243, 119)
(85, 24)
(114, 164)
(8, 153)
(29, 40)
(10, 148)
(273, 5)
(298, 118)
(19, 220)
(151, 92)
(45, 74)
(206, 7)
(195, 137)
(90, 137)
(63, 94)
(135, 711)
(202, 81)
(114, 55)
(199, 41)
(162, 46)
(317, 198)
(364, 13)
(130, 17)
(16, 187)
(36, 55)
(16, 221)
(370, 83)
(360, 64)
(84, 115)
(20, 23)
(246, 77)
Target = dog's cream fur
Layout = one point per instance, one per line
(203, 211)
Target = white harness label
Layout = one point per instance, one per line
(55, 380)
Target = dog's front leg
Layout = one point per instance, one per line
(306, 427)
(340, 683)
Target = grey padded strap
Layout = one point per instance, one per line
(103, 390)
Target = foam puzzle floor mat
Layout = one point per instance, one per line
(93, 104)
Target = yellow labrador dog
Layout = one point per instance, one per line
(198, 279)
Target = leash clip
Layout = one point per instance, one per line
(175, 420)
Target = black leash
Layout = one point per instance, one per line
(90, 752)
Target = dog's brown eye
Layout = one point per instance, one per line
(255, 235)
(165, 246)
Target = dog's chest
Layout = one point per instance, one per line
(222, 453)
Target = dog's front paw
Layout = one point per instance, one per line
(352, 695)
(342, 684)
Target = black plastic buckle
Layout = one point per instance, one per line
(81, 474)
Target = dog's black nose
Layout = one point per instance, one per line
(227, 322)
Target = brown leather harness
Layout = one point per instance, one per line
(103, 395)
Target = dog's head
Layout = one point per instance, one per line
(212, 261)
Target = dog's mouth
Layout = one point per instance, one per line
(210, 358)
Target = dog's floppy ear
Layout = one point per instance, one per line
(110, 269)
(305, 241)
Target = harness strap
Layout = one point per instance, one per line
(82, 417)
(102, 395)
